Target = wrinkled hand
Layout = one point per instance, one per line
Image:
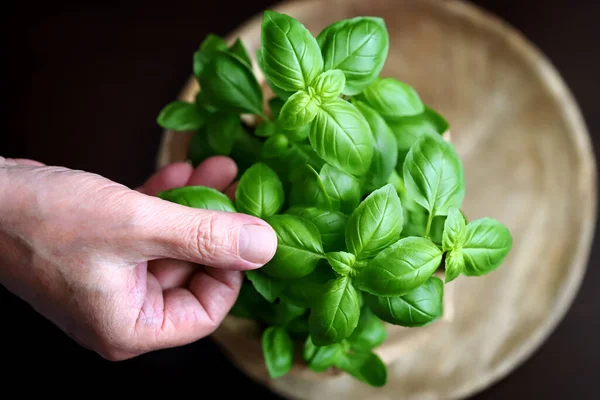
(119, 270)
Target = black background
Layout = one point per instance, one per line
(83, 86)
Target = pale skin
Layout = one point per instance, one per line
(119, 270)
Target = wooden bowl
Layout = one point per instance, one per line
(528, 162)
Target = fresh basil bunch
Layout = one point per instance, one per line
(351, 170)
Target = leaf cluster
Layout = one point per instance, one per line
(351, 170)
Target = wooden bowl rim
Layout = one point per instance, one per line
(550, 78)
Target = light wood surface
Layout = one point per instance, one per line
(528, 162)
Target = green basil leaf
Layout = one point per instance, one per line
(241, 52)
(392, 99)
(331, 225)
(415, 224)
(407, 202)
(198, 197)
(486, 246)
(385, 153)
(285, 313)
(249, 303)
(375, 224)
(299, 135)
(369, 333)
(303, 292)
(278, 350)
(266, 129)
(275, 105)
(415, 221)
(330, 30)
(309, 156)
(298, 326)
(437, 229)
(294, 160)
(320, 358)
(329, 84)
(275, 146)
(399, 268)
(435, 120)
(280, 93)
(433, 175)
(291, 56)
(259, 192)
(429, 121)
(203, 103)
(231, 86)
(342, 188)
(341, 136)
(268, 287)
(222, 132)
(199, 149)
(300, 109)
(419, 307)
(341, 262)
(454, 230)
(405, 138)
(455, 265)
(361, 301)
(181, 116)
(408, 129)
(299, 247)
(246, 151)
(335, 315)
(211, 44)
(310, 191)
(365, 366)
(398, 183)
(357, 46)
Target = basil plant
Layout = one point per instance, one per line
(351, 170)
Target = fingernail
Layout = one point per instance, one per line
(257, 244)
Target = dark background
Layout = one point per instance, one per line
(82, 89)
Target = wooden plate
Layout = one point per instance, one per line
(528, 162)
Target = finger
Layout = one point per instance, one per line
(193, 313)
(216, 172)
(206, 237)
(172, 273)
(21, 161)
(230, 191)
(26, 161)
(168, 177)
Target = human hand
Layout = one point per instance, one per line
(119, 270)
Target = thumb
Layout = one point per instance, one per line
(213, 238)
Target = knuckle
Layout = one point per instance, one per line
(129, 203)
(204, 241)
(148, 325)
(212, 238)
(134, 217)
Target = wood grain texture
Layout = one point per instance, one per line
(528, 163)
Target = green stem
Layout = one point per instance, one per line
(428, 227)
